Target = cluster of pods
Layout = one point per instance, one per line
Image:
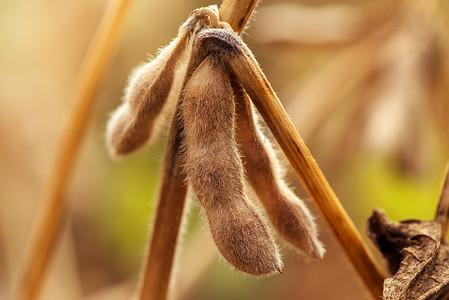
(224, 152)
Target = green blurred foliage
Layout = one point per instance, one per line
(380, 184)
(123, 223)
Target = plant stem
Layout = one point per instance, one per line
(237, 13)
(53, 207)
(442, 214)
(158, 265)
(264, 98)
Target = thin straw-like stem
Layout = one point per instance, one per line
(158, 265)
(51, 215)
(237, 13)
(442, 214)
(264, 98)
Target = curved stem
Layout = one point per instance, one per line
(442, 213)
(264, 98)
(53, 209)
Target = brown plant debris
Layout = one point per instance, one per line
(416, 255)
(218, 132)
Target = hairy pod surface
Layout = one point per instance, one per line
(215, 171)
(131, 125)
(286, 211)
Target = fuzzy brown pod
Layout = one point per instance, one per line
(214, 170)
(132, 123)
(286, 211)
(416, 255)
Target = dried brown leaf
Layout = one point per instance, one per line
(415, 253)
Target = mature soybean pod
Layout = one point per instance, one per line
(286, 211)
(131, 125)
(215, 172)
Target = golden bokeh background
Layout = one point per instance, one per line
(365, 82)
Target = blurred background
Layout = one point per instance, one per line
(365, 83)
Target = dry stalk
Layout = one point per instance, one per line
(442, 213)
(158, 265)
(53, 208)
(236, 13)
(264, 98)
